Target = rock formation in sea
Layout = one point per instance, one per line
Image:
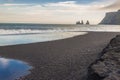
(112, 18)
(80, 23)
(87, 23)
(107, 66)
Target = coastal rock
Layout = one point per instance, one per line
(112, 18)
(107, 66)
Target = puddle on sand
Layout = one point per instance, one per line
(11, 69)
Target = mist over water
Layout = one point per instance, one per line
(12, 34)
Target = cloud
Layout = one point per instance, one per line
(59, 12)
(8, 5)
(75, 6)
(114, 6)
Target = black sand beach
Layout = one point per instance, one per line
(66, 59)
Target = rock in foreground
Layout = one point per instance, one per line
(107, 66)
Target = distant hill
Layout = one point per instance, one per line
(112, 18)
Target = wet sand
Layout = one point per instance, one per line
(65, 59)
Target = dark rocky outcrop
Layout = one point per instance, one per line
(112, 18)
(87, 23)
(107, 66)
(80, 23)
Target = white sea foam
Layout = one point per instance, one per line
(29, 31)
(32, 38)
(23, 31)
(97, 28)
(15, 36)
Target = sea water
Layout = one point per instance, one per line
(13, 69)
(13, 34)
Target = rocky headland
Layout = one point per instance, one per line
(111, 18)
(107, 66)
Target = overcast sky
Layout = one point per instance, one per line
(55, 11)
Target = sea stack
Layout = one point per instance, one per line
(87, 23)
(80, 23)
(112, 18)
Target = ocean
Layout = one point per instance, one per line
(13, 34)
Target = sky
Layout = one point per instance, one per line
(55, 11)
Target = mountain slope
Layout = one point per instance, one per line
(112, 18)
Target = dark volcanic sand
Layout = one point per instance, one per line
(65, 59)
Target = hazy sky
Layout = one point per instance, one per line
(55, 11)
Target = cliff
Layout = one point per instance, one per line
(107, 66)
(112, 18)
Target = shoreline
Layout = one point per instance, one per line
(18, 39)
(60, 59)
